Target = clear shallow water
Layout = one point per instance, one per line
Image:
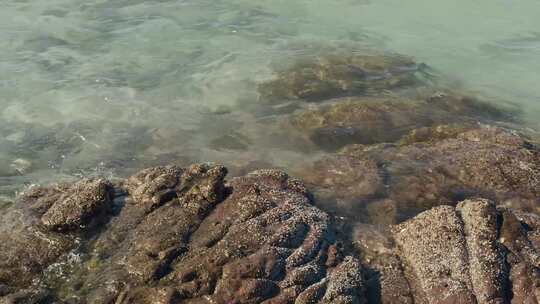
(103, 87)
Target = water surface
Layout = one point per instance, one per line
(106, 87)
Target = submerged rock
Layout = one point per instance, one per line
(323, 77)
(370, 120)
(484, 161)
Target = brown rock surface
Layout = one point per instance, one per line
(27, 244)
(485, 161)
(472, 253)
(257, 239)
(371, 120)
(181, 235)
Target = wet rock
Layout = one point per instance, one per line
(154, 186)
(27, 296)
(434, 252)
(21, 165)
(382, 212)
(152, 229)
(522, 258)
(385, 277)
(435, 133)
(486, 257)
(466, 255)
(77, 205)
(177, 234)
(264, 243)
(25, 254)
(29, 241)
(257, 239)
(360, 120)
(484, 161)
(233, 141)
(344, 178)
(324, 77)
(472, 253)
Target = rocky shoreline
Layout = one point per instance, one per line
(188, 235)
(407, 192)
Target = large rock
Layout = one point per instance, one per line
(413, 176)
(185, 235)
(78, 205)
(181, 235)
(28, 238)
(472, 253)
(371, 120)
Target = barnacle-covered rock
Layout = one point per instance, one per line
(472, 253)
(181, 235)
(483, 161)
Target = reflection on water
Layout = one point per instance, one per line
(105, 87)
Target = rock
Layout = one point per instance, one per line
(433, 249)
(154, 186)
(324, 77)
(233, 141)
(522, 258)
(484, 161)
(472, 253)
(455, 255)
(371, 120)
(344, 178)
(26, 296)
(435, 133)
(25, 254)
(257, 238)
(486, 257)
(385, 278)
(21, 165)
(383, 212)
(29, 241)
(77, 205)
(179, 235)
(264, 243)
(365, 120)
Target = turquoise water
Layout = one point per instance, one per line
(105, 87)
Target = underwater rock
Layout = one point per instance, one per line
(233, 141)
(485, 161)
(370, 120)
(324, 77)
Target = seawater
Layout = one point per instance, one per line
(106, 87)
